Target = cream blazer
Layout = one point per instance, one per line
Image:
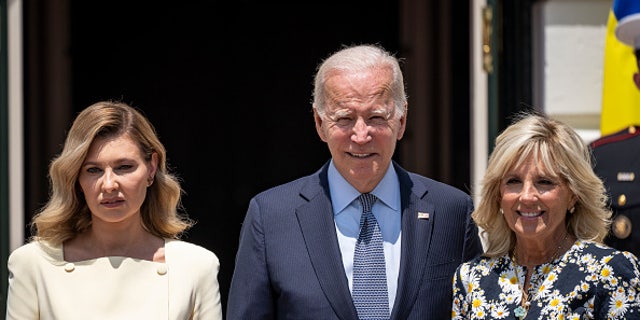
(44, 286)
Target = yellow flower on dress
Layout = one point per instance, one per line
(562, 289)
(606, 272)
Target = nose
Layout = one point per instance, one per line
(109, 181)
(360, 131)
(529, 192)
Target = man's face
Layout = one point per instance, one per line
(361, 126)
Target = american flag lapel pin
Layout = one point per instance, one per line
(423, 215)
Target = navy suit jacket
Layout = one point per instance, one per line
(289, 264)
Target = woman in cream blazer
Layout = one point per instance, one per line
(106, 245)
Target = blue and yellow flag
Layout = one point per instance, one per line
(620, 96)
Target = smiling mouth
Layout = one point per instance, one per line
(361, 155)
(530, 214)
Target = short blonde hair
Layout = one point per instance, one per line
(564, 155)
(66, 213)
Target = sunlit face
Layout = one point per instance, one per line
(535, 204)
(114, 179)
(361, 127)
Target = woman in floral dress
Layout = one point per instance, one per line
(543, 214)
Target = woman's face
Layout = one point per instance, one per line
(535, 204)
(114, 178)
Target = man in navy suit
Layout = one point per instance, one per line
(296, 252)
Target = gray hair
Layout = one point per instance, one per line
(358, 58)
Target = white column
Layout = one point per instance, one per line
(16, 137)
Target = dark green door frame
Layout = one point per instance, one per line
(510, 84)
(4, 157)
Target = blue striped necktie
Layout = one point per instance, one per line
(369, 273)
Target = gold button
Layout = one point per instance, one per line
(69, 267)
(162, 269)
(632, 129)
(621, 226)
(622, 200)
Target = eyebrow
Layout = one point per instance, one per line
(117, 161)
(377, 111)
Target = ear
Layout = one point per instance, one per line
(318, 120)
(573, 201)
(403, 123)
(153, 165)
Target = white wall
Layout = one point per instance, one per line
(569, 61)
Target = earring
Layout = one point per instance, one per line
(501, 211)
(572, 209)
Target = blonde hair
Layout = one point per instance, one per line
(564, 155)
(66, 213)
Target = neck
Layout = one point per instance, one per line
(124, 242)
(529, 257)
(114, 236)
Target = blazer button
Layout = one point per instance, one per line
(69, 267)
(622, 200)
(162, 269)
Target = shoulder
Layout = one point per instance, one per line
(285, 187)
(612, 139)
(419, 183)
(608, 256)
(439, 186)
(36, 250)
(432, 189)
(483, 262)
(34, 256)
(307, 187)
(480, 265)
(24, 253)
(183, 252)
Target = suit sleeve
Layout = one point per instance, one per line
(250, 295)
(472, 244)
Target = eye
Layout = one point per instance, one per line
(377, 120)
(343, 121)
(94, 170)
(546, 182)
(513, 181)
(125, 167)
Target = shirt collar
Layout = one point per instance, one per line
(343, 193)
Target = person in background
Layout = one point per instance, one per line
(616, 157)
(106, 245)
(544, 214)
(361, 238)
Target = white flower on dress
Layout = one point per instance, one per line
(499, 312)
(618, 303)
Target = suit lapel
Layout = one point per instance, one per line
(416, 235)
(319, 232)
(318, 229)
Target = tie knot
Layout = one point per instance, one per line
(367, 200)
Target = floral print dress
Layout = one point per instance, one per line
(590, 281)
